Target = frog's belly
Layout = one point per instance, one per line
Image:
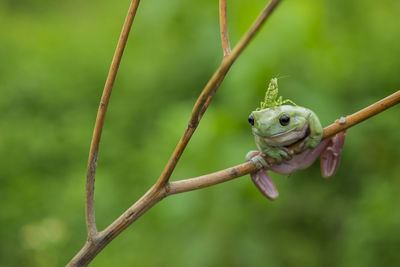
(286, 139)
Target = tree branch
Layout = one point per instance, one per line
(223, 26)
(363, 114)
(342, 124)
(101, 113)
(209, 91)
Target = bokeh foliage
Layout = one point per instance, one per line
(334, 57)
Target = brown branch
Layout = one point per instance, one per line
(363, 114)
(248, 167)
(101, 113)
(190, 184)
(223, 26)
(209, 91)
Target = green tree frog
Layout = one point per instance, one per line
(275, 127)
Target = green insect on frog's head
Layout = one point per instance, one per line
(280, 125)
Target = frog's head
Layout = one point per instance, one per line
(280, 125)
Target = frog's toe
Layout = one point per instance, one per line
(252, 153)
(284, 154)
(257, 157)
(278, 158)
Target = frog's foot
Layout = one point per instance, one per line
(257, 157)
(252, 153)
(330, 157)
(264, 183)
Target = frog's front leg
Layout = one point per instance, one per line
(316, 132)
(275, 152)
(330, 157)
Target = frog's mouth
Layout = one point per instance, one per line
(287, 138)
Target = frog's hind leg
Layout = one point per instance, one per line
(264, 183)
(261, 178)
(330, 157)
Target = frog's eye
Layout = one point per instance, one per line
(284, 119)
(251, 120)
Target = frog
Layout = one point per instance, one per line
(277, 125)
(276, 128)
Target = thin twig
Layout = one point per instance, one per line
(181, 186)
(209, 91)
(223, 26)
(101, 113)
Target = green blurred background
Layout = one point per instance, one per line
(335, 57)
